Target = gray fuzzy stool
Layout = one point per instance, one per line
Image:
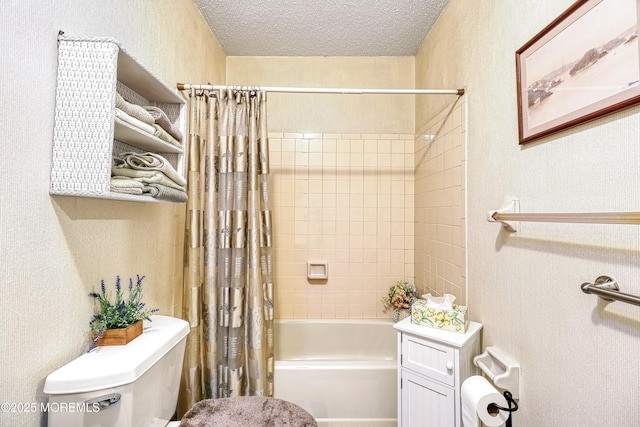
(247, 411)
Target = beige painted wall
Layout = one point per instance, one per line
(579, 358)
(55, 250)
(331, 113)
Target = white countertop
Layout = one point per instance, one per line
(455, 339)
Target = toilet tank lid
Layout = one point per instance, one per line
(113, 366)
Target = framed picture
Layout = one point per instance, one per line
(583, 65)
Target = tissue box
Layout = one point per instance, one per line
(449, 320)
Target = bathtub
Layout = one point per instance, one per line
(344, 372)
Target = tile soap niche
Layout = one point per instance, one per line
(87, 133)
(317, 272)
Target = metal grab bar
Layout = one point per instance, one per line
(607, 289)
(509, 214)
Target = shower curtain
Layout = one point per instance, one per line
(227, 289)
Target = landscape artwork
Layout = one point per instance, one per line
(583, 65)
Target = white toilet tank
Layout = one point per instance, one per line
(126, 385)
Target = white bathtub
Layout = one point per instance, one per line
(344, 372)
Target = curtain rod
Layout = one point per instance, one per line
(459, 92)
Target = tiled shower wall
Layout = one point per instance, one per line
(347, 200)
(440, 215)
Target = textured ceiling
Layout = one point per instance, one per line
(320, 27)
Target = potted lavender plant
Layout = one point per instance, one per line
(120, 321)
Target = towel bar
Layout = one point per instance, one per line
(607, 289)
(509, 213)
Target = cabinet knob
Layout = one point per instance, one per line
(449, 366)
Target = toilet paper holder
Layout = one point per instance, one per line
(509, 398)
(501, 369)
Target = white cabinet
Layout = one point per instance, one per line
(87, 133)
(433, 365)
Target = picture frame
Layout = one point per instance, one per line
(583, 65)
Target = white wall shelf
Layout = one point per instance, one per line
(87, 135)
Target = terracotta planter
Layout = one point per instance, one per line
(120, 336)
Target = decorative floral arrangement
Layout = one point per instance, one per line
(121, 313)
(401, 295)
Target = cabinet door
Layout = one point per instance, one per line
(429, 358)
(426, 403)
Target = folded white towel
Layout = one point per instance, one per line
(145, 177)
(139, 124)
(162, 192)
(151, 162)
(126, 185)
(161, 119)
(161, 179)
(158, 132)
(133, 191)
(134, 110)
(123, 182)
(122, 170)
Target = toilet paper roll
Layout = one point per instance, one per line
(477, 394)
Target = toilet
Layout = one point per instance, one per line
(126, 385)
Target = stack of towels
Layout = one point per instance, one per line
(148, 174)
(148, 119)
